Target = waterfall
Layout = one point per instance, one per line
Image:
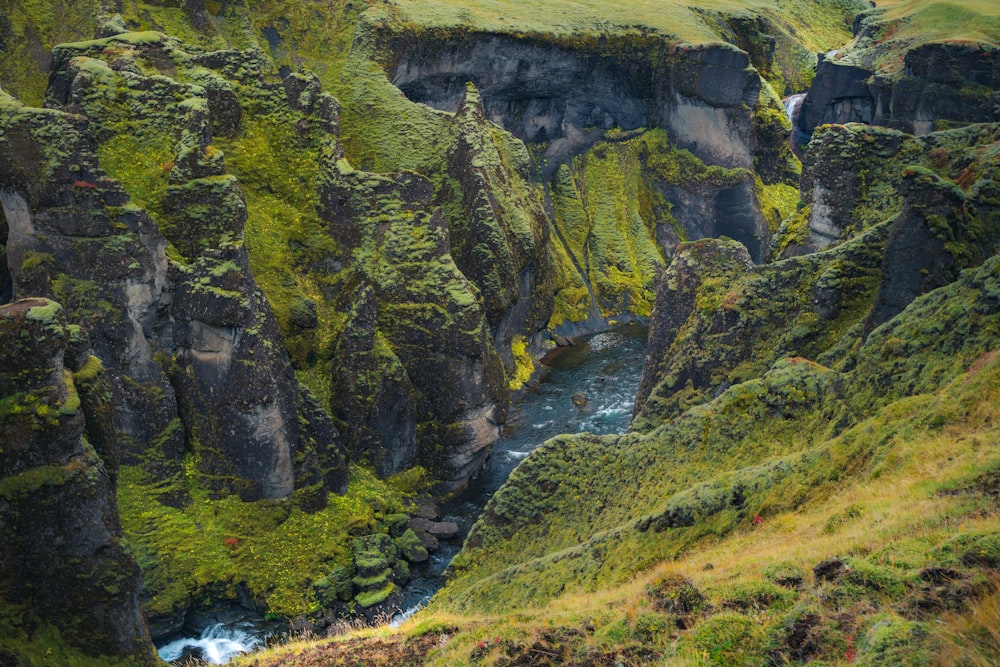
(217, 645)
(792, 104)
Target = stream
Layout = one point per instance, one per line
(605, 367)
(602, 368)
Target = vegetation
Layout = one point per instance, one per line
(809, 478)
(212, 550)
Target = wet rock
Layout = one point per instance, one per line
(443, 530)
(411, 547)
(427, 510)
(579, 399)
(427, 540)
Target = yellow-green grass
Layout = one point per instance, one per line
(906, 24)
(274, 548)
(964, 20)
(889, 519)
(816, 23)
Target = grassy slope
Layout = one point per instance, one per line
(817, 23)
(905, 24)
(964, 20)
(911, 487)
(360, 83)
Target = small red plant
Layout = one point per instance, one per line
(758, 520)
(86, 185)
(851, 653)
(232, 542)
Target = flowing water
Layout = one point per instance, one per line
(217, 644)
(603, 368)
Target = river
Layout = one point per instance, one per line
(603, 369)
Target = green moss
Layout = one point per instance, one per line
(372, 598)
(35, 644)
(524, 364)
(46, 314)
(897, 641)
(30, 481)
(778, 202)
(190, 553)
(726, 639)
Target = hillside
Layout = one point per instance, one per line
(306, 253)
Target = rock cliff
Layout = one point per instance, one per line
(70, 583)
(301, 233)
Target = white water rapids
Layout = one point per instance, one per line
(217, 645)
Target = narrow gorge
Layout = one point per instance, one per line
(275, 274)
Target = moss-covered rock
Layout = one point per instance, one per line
(66, 567)
(414, 314)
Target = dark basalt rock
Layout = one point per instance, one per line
(73, 235)
(416, 376)
(537, 90)
(921, 253)
(839, 94)
(546, 92)
(501, 247)
(675, 302)
(231, 397)
(63, 562)
(953, 83)
(715, 74)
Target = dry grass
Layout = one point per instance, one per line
(899, 510)
(972, 639)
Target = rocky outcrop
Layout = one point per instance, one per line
(543, 91)
(74, 235)
(941, 84)
(64, 563)
(850, 180)
(416, 376)
(840, 94)
(537, 90)
(922, 252)
(694, 267)
(501, 243)
(706, 101)
(193, 349)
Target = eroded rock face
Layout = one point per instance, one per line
(194, 351)
(501, 245)
(416, 376)
(941, 82)
(73, 235)
(537, 90)
(706, 102)
(63, 562)
(934, 236)
(709, 260)
(543, 91)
